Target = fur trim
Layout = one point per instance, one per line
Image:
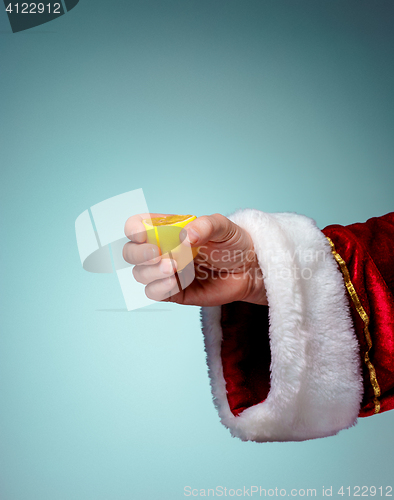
(316, 384)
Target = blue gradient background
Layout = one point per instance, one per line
(209, 106)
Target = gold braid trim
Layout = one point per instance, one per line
(364, 317)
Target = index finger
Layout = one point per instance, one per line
(135, 230)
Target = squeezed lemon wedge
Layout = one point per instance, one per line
(164, 232)
(169, 220)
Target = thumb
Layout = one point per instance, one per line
(216, 227)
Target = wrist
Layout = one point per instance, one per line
(256, 290)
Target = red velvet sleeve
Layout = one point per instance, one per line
(367, 251)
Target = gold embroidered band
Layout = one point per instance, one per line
(364, 317)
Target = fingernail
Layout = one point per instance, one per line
(151, 253)
(193, 236)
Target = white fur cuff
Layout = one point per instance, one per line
(315, 386)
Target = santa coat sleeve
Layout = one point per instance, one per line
(321, 354)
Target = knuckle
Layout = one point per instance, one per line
(127, 254)
(229, 228)
(127, 229)
(225, 228)
(135, 273)
(138, 275)
(206, 223)
(222, 219)
(151, 293)
(232, 229)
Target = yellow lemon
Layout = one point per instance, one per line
(169, 220)
(164, 232)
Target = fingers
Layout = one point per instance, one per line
(134, 228)
(141, 254)
(162, 289)
(160, 271)
(136, 251)
(214, 227)
(158, 277)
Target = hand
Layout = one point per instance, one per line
(226, 267)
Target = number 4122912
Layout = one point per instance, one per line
(33, 8)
